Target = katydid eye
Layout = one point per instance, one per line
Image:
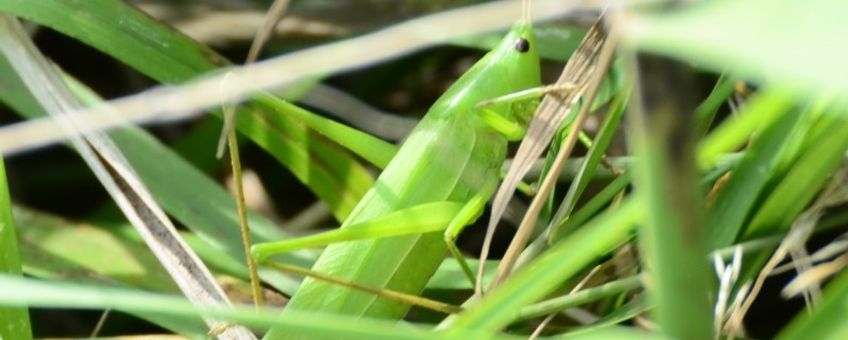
(522, 45)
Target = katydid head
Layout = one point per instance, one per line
(510, 67)
(517, 53)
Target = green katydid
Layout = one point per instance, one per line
(440, 179)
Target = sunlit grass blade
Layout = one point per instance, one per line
(581, 297)
(28, 292)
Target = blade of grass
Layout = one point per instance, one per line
(727, 216)
(672, 242)
(15, 291)
(15, 319)
(594, 205)
(804, 179)
(760, 112)
(579, 298)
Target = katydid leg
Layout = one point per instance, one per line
(418, 219)
(469, 213)
(528, 94)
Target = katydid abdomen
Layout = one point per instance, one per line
(453, 154)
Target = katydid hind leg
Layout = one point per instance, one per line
(465, 217)
(422, 218)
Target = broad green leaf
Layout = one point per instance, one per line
(15, 320)
(791, 42)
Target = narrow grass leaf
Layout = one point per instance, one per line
(726, 217)
(760, 111)
(673, 246)
(803, 180)
(15, 320)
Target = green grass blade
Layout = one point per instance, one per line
(15, 320)
(21, 292)
(672, 240)
(804, 180)
(598, 202)
(584, 296)
(727, 216)
(16, 291)
(706, 112)
(760, 112)
(626, 312)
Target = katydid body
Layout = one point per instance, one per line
(453, 155)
